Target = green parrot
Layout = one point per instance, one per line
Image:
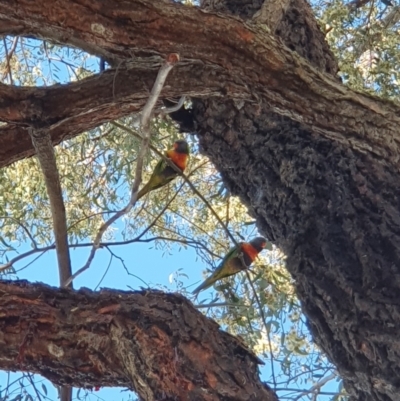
(163, 173)
(233, 261)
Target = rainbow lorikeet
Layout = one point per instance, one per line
(239, 258)
(163, 173)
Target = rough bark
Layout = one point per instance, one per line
(324, 187)
(335, 212)
(154, 343)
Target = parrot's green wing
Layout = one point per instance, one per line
(226, 268)
(162, 175)
(232, 253)
(160, 166)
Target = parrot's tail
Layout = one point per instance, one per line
(143, 191)
(203, 286)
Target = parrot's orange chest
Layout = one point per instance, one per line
(179, 159)
(250, 251)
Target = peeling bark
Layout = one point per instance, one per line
(154, 343)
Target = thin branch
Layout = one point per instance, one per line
(172, 59)
(192, 243)
(9, 55)
(272, 359)
(34, 386)
(218, 304)
(75, 223)
(168, 110)
(161, 238)
(316, 388)
(159, 214)
(30, 263)
(105, 273)
(45, 153)
(10, 263)
(199, 194)
(197, 227)
(126, 269)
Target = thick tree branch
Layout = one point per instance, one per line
(154, 343)
(68, 110)
(286, 82)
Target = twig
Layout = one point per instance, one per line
(159, 214)
(216, 304)
(34, 386)
(9, 55)
(172, 59)
(126, 269)
(197, 227)
(105, 273)
(168, 110)
(316, 388)
(45, 153)
(30, 263)
(195, 190)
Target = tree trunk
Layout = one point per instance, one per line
(154, 343)
(334, 211)
(321, 176)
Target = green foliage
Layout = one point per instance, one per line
(366, 42)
